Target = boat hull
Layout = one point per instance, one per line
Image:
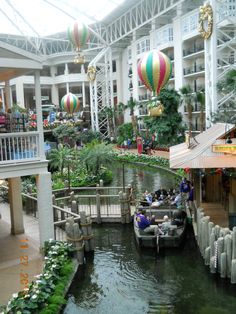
(173, 239)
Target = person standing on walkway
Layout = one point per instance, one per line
(184, 188)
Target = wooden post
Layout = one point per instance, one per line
(234, 243)
(98, 203)
(86, 225)
(220, 242)
(228, 244)
(233, 271)
(127, 212)
(72, 196)
(74, 207)
(207, 256)
(74, 236)
(223, 265)
(121, 197)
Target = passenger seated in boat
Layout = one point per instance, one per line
(148, 197)
(178, 218)
(178, 200)
(160, 192)
(166, 224)
(144, 224)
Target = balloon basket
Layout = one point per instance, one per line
(156, 111)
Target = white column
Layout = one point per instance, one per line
(20, 100)
(211, 69)
(15, 199)
(66, 76)
(152, 34)
(39, 113)
(83, 94)
(3, 100)
(45, 210)
(54, 88)
(178, 50)
(119, 80)
(8, 95)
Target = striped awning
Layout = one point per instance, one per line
(200, 154)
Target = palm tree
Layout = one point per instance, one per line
(58, 158)
(186, 93)
(200, 97)
(131, 104)
(95, 155)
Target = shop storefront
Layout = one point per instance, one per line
(211, 158)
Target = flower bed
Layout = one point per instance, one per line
(46, 294)
(148, 160)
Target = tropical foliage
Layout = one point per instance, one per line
(80, 168)
(88, 136)
(46, 294)
(66, 134)
(148, 160)
(187, 97)
(62, 157)
(124, 131)
(94, 156)
(227, 112)
(167, 127)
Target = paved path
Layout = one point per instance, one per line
(153, 152)
(13, 255)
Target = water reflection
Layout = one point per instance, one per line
(142, 178)
(122, 279)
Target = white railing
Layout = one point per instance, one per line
(19, 147)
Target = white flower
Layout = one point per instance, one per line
(34, 297)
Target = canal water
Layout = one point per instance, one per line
(120, 278)
(141, 178)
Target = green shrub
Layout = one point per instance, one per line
(46, 294)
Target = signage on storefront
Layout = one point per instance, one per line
(224, 148)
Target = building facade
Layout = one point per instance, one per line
(169, 26)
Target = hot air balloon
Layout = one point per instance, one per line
(154, 70)
(70, 103)
(78, 35)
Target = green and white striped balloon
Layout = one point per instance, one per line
(78, 34)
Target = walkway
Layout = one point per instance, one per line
(218, 215)
(12, 250)
(159, 153)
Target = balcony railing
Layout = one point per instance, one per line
(194, 69)
(143, 111)
(143, 97)
(19, 147)
(192, 50)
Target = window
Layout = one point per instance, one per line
(129, 53)
(113, 65)
(143, 46)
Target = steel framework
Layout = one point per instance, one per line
(220, 54)
(101, 92)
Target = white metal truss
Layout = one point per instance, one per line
(101, 92)
(220, 54)
(136, 17)
(133, 19)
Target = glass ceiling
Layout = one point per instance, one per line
(47, 17)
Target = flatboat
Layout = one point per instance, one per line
(173, 238)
